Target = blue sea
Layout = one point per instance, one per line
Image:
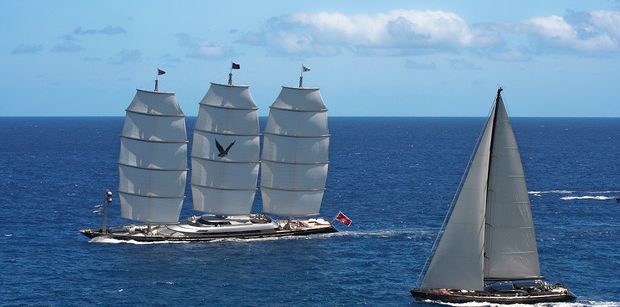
(394, 177)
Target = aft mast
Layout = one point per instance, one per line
(295, 153)
(153, 158)
(225, 152)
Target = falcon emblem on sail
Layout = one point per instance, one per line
(223, 152)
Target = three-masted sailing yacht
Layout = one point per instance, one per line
(486, 249)
(225, 166)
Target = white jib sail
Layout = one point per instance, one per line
(458, 259)
(510, 243)
(224, 177)
(295, 154)
(153, 159)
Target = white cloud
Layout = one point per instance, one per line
(125, 56)
(462, 64)
(405, 32)
(593, 32)
(107, 30)
(201, 49)
(27, 49)
(415, 65)
(401, 31)
(66, 46)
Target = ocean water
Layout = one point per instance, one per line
(394, 177)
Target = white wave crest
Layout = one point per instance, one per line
(386, 233)
(598, 197)
(116, 241)
(561, 304)
(551, 192)
(248, 240)
(603, 192)
(354, 234)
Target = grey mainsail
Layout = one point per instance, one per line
(153, 159)
(295, 153)
(489, 233)
(510, 240)
(225, 151)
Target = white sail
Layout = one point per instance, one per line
(295, 154)
(510, 241)
(458, 259)
(153, 159)
(225, 184)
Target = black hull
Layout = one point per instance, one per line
(93, 233)
(454, 296)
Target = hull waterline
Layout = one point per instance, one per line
(196, 232)
(513, 297)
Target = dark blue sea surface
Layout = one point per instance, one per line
(394, 177)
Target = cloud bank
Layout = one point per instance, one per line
(587, 32)
(403, 32)
(398, 31)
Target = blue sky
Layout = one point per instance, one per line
(370, 58)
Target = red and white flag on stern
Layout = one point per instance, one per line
(343, 219)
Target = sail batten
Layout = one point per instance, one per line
(152, 196)
(299, 136)
(223, 133)
(153, 169)
(297, 110)
(220, 161)
(227, 108)
(225, 152)
(294, 190)
(295, 161)
(152, 141)
(222, 188)
(153, 159)
(153, 114)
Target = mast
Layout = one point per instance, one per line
(104, 219)
(153, 161)
(295, 153)
(225, 151)
(301, 75)
(510, 240)
(159, 72)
